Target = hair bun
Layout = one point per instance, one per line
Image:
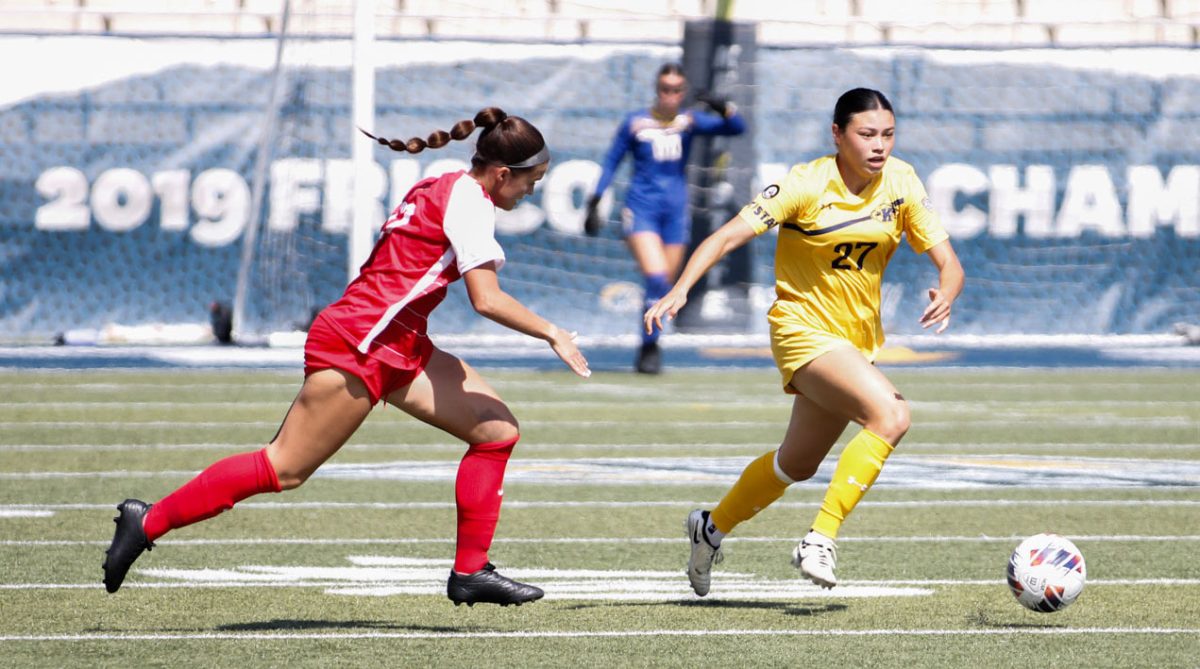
(489, 118)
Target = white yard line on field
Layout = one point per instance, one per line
(682, 505)
(994, 450)
(623, 402)
(948, 471)
(1027, 422)
(123, 424)
(191, 385)
(752, 388)
(844, 589)
(610, 634)
(17, 512)
(295, 541)
(390, 575)
(996, 447)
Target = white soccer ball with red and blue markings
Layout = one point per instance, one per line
(1046, 573)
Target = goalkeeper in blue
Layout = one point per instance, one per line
(655, 219)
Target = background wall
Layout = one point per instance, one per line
(1068, 177)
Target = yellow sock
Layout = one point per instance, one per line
(857, 469)
(754, 491)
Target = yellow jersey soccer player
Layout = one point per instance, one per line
(833, 247)
(840, 219)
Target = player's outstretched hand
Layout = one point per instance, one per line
(668, 306)
(938, 311)
(718, 105)
(563, 343)
(591, 222)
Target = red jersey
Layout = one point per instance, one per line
(444, 227)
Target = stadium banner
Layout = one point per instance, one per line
(1069, 179)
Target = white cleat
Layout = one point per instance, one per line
(816, 557)
(703, 556)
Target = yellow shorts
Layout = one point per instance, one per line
(795, 344)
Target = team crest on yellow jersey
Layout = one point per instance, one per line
(887, 212)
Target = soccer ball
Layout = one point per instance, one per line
(1046, 573)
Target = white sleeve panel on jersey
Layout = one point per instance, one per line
(470, 225)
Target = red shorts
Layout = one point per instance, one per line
(326, 348)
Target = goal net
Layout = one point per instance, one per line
(1067, 179)
(297, 260)
(295, 248)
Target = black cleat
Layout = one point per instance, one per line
(649, 360)
(488, 587)
(128, 542)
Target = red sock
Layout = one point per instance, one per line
(478, 490)
(216, 489)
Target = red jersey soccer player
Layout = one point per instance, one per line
(372, 344)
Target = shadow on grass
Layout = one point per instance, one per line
(981, 619)
(305, 625)
(786, 608)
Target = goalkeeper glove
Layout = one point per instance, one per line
(592, 223)
(719, 105)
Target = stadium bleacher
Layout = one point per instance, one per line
(971, 22)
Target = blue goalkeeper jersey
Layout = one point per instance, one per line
(660, 153)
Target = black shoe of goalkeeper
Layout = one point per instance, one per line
(649, 360)
(488, 587)
(128, 542)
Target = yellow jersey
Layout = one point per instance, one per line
(833, 245)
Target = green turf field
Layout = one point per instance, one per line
(349, 570)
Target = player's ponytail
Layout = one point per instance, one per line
(489, 118)
(436, 139)
(506, 140)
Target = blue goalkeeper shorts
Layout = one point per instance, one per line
(670, 223)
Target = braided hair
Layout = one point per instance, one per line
(505, 140)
